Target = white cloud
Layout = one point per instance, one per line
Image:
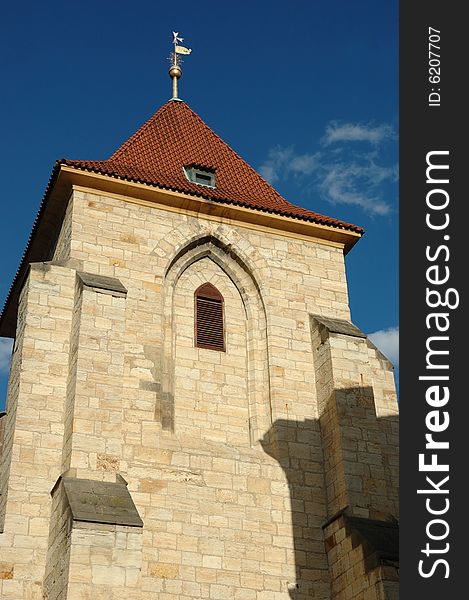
(6, 346)
(338, 175)
(357, 184)
(357, 132)
(387, 340)
(304, 164)
(282, 162)
(273, 168)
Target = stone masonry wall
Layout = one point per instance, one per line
(358, 411)
(222, 453)
(57, 569)
(105, 562)
(35, 407)
(359, 424)
(96, 403)
(351, 578)
(62, 246)
(9, 419)
(211, 396)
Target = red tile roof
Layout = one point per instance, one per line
(155, 155)
(174, 137)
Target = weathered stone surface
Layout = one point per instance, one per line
(164, 571)
(102, 283)
(101, 502)
(379, 537)
(2, 430)
(363, 555)
(234, 460)
(6, 570)
(338, 326)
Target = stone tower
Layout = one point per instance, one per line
(191, 413)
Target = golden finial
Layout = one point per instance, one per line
(175, 70)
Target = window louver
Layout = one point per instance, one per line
(209, 326)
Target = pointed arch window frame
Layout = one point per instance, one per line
(209, 318)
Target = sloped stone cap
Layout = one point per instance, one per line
(102, 283)
(337, 326)
(101, 502)
(377, 537)
(327, 326)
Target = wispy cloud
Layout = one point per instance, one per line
(6, 346)
(336, 174)
(357, 132)
(283, 162)
(387, 340)
(358, 184)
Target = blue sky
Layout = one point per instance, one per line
(306, 92)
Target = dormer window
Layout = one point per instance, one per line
(200, 176)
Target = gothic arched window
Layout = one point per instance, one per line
(209, 321)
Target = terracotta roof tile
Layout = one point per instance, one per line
(174, 137)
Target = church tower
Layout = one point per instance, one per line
(191, 413)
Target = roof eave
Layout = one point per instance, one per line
(174, 198)
(65, 177)
(40, 242)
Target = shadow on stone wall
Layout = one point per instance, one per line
(367, 458)
(297, 447)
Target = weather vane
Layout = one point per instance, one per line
(175, 70)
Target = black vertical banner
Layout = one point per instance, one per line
(434, 351)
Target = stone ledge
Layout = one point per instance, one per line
(102, 284)
(379, 539)
(327, 325)
(102, 502)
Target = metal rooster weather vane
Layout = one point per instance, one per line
(175, 70)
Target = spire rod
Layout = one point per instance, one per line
(175, 70)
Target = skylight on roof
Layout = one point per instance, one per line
(200, 176)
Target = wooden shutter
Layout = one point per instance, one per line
(209, 322)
